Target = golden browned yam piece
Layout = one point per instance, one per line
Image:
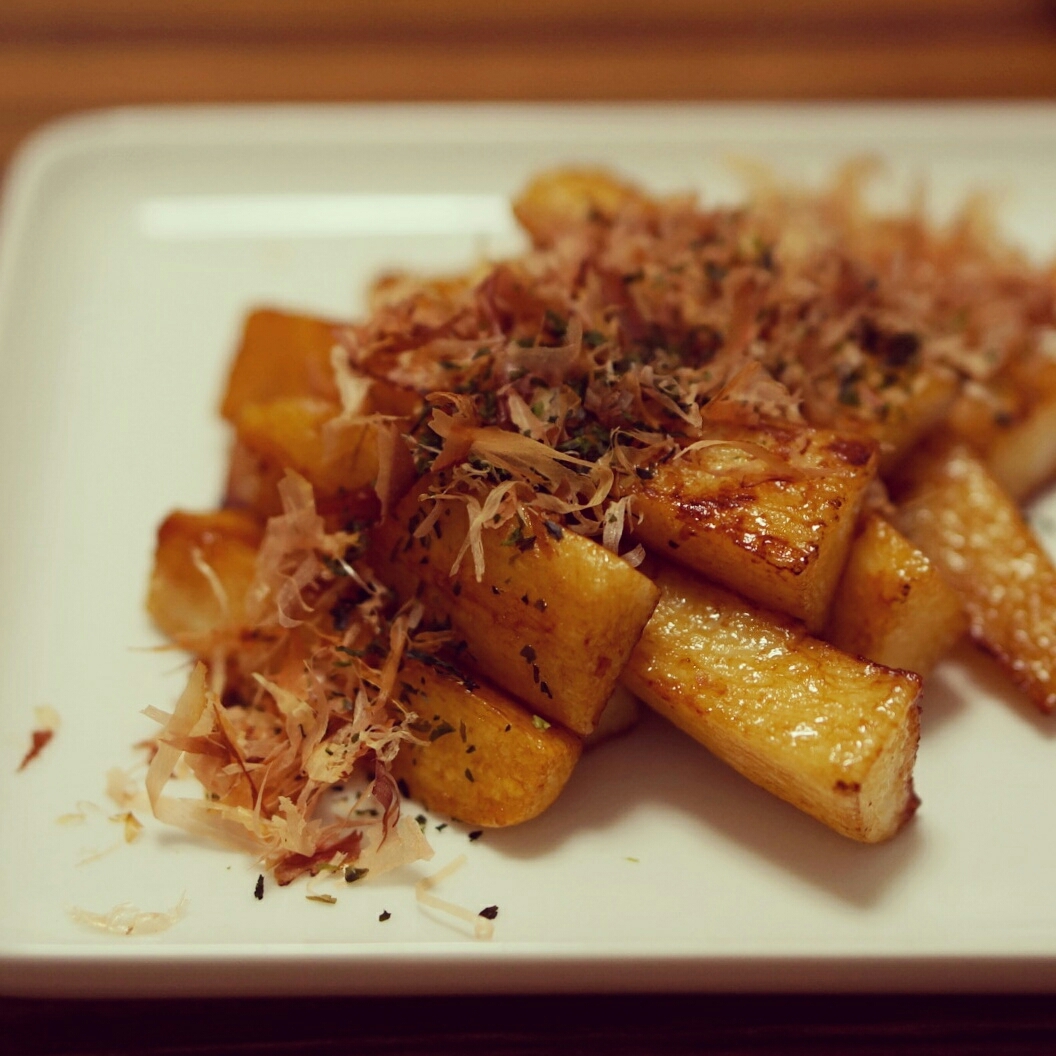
(441, 294)
(252, 482)
(563, 198)
(834, 735)
(484, 759)
(280, 354)
(910, 408)
(1022, 457)
(305, 435)
(622, 713)
(1011, 423)
(954, 510)
(203, 565)
(253, 486)
(893, 605)
(767, 511)
(552, 619)
(385, 398)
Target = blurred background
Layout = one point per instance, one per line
(58, 56)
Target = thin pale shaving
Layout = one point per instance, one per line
(79, 815)
(159, 716)
(482, 927)
(189, 709)
(128, 919)
(352, 388)
(635, 556)
(404, 844)
(90, 856)
(327, 874)
(123, 788)
(614, 519)
(132, 825)
(195, 816)
(215, 584)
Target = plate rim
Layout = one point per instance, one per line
(47, 970)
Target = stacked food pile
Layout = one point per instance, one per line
(758, 467)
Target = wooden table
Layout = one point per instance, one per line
(60, 56)
(57, 56)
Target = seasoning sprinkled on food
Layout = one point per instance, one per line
(512, 455)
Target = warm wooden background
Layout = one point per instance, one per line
(62, 55)
(58, 56)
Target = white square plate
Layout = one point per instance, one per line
(132, 244)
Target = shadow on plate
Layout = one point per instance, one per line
(664, 777)
(971, 676)
(655, 770)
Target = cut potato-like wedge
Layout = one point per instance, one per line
(485, 759)
(564, 198)
(280, 355)
(916, 403)
(831, 734)
(622, 714)
(253, 487)
(293, 433)
(1011, 423)
(252, 482)
(954, 510)
(203, 565)
(768, 512)
(552, 619)
(1022, 456)
(892, 605)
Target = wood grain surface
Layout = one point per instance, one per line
(58, 56)
(62, 56)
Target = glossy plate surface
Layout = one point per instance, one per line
(132, 244)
